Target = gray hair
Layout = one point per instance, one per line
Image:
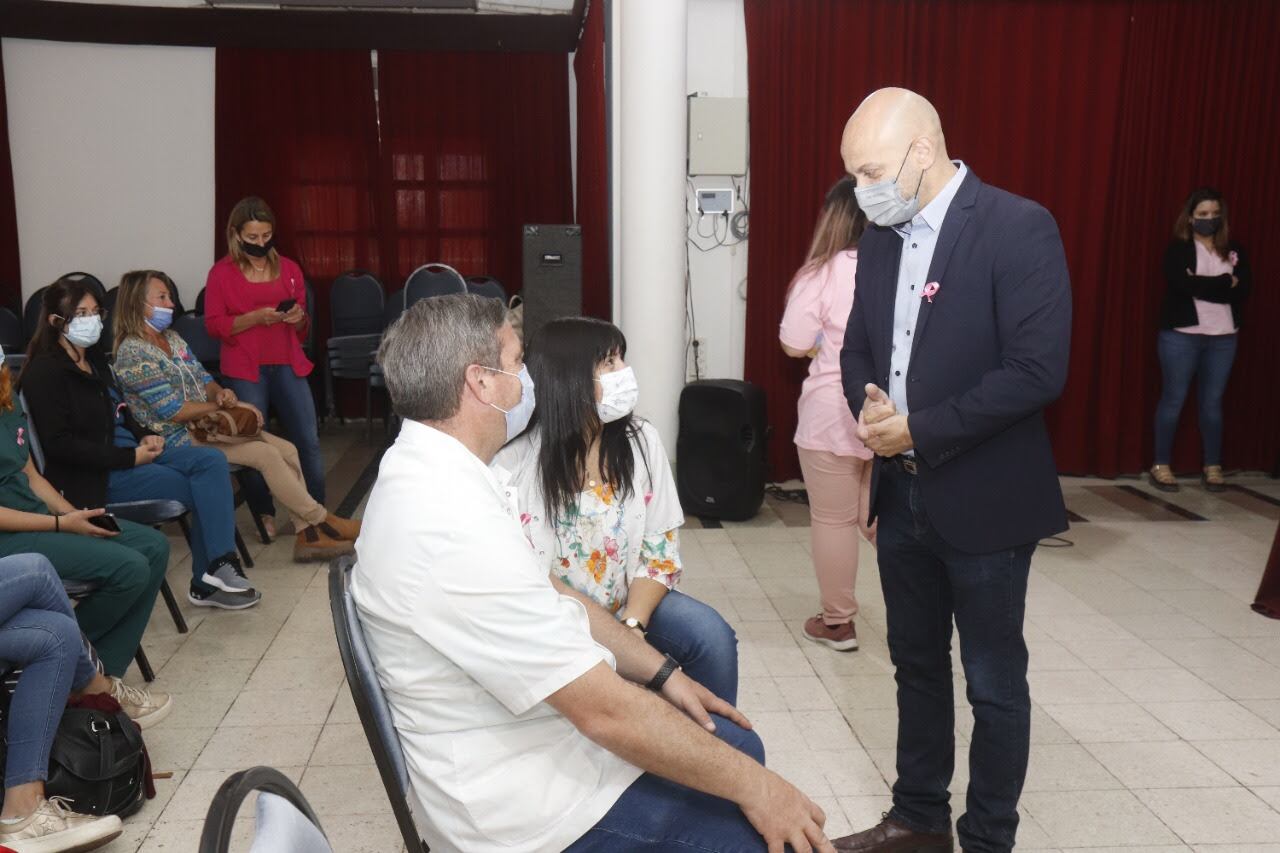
(425, 353)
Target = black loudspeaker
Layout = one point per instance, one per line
(552, 274)
(720, 453)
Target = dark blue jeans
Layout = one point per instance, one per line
(658, 815)
(38, 632)
(289, 394)
(926, 584)
(198, 478)
(1207, 359)
(698, 637)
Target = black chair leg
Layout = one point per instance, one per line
(244, 552)
(144, 665)
(368, 411)
(179, 621)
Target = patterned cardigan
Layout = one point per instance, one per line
(157, 386)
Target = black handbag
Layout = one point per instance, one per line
(98, 763)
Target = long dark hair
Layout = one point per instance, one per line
(62, 298)
(562, 358)
(1182, 227)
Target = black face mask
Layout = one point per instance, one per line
(1207, 227)
(255, 251)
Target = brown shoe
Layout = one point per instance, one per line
(320, 542)
(1161, 476)
(889, 836)
(1213, 479)
(348, 528)
(842, 638)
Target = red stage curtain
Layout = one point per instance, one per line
(298, 128)
(1108, 113)
(593, 165)
(10, 269)
(475, 146)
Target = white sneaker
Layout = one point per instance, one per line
(143, 707)
(54, 828)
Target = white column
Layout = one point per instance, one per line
(651, 99)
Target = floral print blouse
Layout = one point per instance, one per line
(606, 540)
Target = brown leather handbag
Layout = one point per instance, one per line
(226, 425)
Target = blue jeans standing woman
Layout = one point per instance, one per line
(1205, 360)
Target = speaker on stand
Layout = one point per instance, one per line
(720, 450)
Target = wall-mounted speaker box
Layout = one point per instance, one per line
(720, 450)
(552, 274)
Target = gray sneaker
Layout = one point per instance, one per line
(224, 600)
(224, 576)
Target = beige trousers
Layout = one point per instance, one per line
(277, 461)
(839, 499)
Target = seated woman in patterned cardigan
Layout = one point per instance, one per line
(167, 388)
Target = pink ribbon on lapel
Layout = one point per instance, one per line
(21, 440)
(930, 289)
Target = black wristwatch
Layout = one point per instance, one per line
(668, 669)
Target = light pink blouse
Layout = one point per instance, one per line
(1215, 317)
(817, 310)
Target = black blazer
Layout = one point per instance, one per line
(1181, 288)
(74, 415)
(988, 355)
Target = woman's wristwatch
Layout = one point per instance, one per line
(633, 622)
(669, 667)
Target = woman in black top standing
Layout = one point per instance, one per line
(1207, 280)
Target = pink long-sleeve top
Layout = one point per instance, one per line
(229, 294)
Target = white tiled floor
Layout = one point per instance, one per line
(1157, 692)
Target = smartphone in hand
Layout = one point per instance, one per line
(286, 306)
(107, 522)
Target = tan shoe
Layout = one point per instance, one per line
(320, 542)
(1213, 480)
(348, 528)
(1161, 476)
(143, 707)
(54, 828)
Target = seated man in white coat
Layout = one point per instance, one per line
(522, 707)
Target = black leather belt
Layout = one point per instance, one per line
(905, 463)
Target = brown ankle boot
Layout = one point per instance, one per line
(348, 528)
(320, 542)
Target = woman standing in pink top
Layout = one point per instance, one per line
(262, 357)
(836, 467)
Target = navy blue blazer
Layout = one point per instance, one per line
(988, 355)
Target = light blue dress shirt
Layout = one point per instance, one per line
(919, 238)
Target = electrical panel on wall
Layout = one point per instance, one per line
(717, 136)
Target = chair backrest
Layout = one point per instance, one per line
(286, 822)
(33, 438)
(200, 302)
(207, 350)
(393, 309)
(31, 312)
(486, 285)
(12, 338)
(356, 304)
(432, 280)
(371, 702)
(98, 289)
(178, 308)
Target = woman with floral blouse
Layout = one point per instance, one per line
(598, 501)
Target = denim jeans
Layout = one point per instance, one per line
(1207, 359)
(700, 640)
(38, 632)
(926, 584)
(279, 387)
(197, 477)
(658, 815)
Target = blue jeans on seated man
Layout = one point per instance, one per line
(926, 584)
(198, 478)
(38, 632)
(289, 394)
(656, 814)
(700, 640)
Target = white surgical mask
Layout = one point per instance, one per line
(620, 391)
(518, 415)
(84, 331)
(884, 204)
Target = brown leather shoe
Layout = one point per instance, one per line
(320, 542)
(348, 528)
(889, 836)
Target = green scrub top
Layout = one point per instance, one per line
(15, 450)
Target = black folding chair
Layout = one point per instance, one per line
(31, 313)
(96, 287)
(486, 285)
(356, 304)
(79, 590)
(432, 280)
(200, 302)
(12, 338)
(371, 703)
(286, 834)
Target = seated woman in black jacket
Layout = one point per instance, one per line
(96, 453)
(1207, 278)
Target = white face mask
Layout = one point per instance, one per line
(518, 416)
(620, 392)
(884, 204)
(84, 331)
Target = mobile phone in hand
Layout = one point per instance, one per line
(286, 306)
(106, 521)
